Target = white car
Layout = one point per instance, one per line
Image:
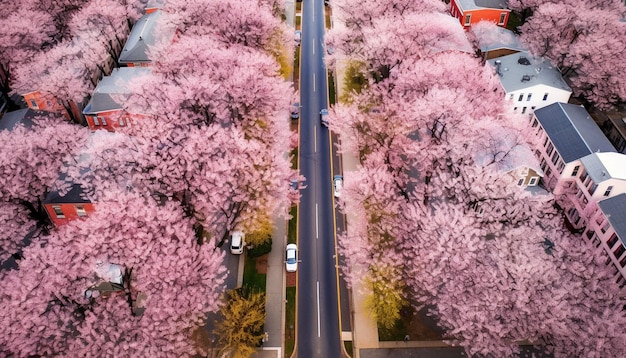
(291, 258)
(324, 117)
(298, 37)
(338, 185)
(237, 242)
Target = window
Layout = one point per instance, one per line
(468, 19)
(521, 97)
(555, 157)
(543, 164)
(619, 251)
(550, 149)
(520, 182)
(103, 121)
(502, 18)
(623, 262)
(583, 176)
(524, 110)
(575, 171)
(58, 212)
(96, 122)
(535, 122)
(560, 166)
(608, 191)
(33, 104)
(545, 97)
(593, 188)
(533, 181)
(514, 109)
(511, 97)
(122, 122)
(528, 97)
(80, 211)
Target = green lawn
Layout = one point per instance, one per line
(290, 321)
(331, 89)
(252, 280)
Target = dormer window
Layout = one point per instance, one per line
(608, 191)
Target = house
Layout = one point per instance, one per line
(607, 232)
(514, 160)
(567, 134)
(581, 166)
(470, 12)
(145, 34)
(106, 109)
(22, 116)
(522, 166)
(64, 208)
(495, 41)
(529, 82)
(598, 176)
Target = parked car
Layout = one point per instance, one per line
(298, 37)
(324, 117)
(337, 185)
(291, 258)
(295, 111)
(237, 242)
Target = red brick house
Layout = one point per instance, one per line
(106, 108)
(71, 206)
(473, 11)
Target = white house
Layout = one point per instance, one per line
(579, 162)
(529, 82)
(147, 32)
(607, 231)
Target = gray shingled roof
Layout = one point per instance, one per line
(614, 208)
(523, 70)
(142, 36)
(496, 37)
(21, 116)
(572, 131)
(75, 195)
(604, 166)
(116, 84)
(480, 4)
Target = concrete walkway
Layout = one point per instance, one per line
(275, 295)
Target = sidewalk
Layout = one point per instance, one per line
(364, 327)
(275, 295)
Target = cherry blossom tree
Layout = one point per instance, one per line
(439, 223)
(585, 41)
(30, 162)
(166, 272)
(25, 32)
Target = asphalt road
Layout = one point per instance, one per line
(317, 312)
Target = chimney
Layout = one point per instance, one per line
(498, 64)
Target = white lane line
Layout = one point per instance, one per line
(318, 310)
(315, 139)
(317, 222)
(313, 45)
(313, 81)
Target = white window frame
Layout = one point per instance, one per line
(533, 181)
(467, 20)
(502, 18)
(58, 212)
(80, 211)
